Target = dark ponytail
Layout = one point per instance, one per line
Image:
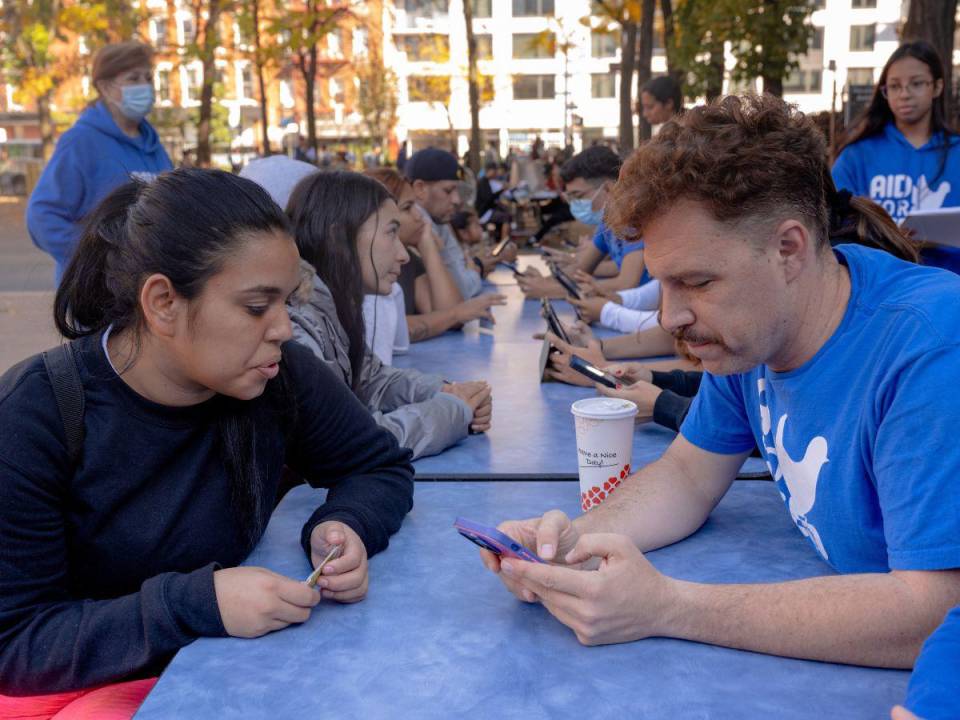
(327, 210)
(184, 225)
(859, 220)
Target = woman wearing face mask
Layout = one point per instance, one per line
(902, 153)
(110, 143)
(347, 230)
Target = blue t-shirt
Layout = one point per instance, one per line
(934, 691)
(899, 177)
(609, 244)
(861, 440)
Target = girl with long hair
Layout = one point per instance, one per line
(901, 152)
(137, 476)
(347, 229)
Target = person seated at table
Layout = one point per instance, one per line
(346, 226)
(435, 177)
(588, 178)
(733, 201)
(432, 301)
(466, 226)
(934, 690)
(902, 152)
(142, 469)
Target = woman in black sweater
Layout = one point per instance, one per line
(193, 403)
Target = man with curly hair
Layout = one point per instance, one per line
(837, 362)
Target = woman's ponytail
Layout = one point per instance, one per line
(859, 220)
(88, 299)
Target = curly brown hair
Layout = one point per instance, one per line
(748, 158)
(742, 157)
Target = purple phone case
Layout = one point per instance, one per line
(494, 540)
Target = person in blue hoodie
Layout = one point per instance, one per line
(110, 143)
(902, 153)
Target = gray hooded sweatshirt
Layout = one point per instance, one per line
(408, 403)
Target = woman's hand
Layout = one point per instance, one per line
(344, 579)
(642, 392)
(478, 307)
(254, 601)
(479, 396)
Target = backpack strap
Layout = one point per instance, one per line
(67, 387)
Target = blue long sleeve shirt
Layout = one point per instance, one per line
(91, 159)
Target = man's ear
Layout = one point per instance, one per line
(795, 247)
(161, 306)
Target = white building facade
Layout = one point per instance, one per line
(526, 84)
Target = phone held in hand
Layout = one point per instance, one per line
(495, 541)
(596, 374)
(511, 266)
(498, 248)
(568, 284)
(553, 322)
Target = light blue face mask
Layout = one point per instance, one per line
(582, 210)
(136, 101)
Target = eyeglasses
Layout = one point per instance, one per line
(911, 88)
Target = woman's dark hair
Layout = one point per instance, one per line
(327, 210)
(746, 158)
(184, 225)
(878, 114)
(664, 88)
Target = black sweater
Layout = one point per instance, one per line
(106, 569)
(673, 404)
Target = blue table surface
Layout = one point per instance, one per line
(533, 435)
(438, 636)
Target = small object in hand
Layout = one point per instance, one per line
(315, 575)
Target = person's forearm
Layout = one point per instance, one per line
(617, 282)
(876, 619)
(648, 343)
(606, 269)
(444, 293)
(655, 507)
(431, 324)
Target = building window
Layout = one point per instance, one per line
(603, 45)
(360, 39)
(424, 48)
(484, 46)
(158, 31)
(163, 85)
(423, 9)
(803, 81)
(862, 37)
(336, 92)
(335, 43)
(863, 4)
(532, 8)
(816, 39)
(532, 45)
(435, 88)
(482, 8)
(860, 76)
(487, 91)
(603, 85)
(194, 83)
(533, 87)
(246, 81)
(188, 30)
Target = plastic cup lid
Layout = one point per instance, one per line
(604, 408)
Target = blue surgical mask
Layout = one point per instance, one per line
(582, 210)
(136, 101)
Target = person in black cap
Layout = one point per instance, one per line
(435, 177)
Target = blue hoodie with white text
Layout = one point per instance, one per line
(901, 178)
(91, 159)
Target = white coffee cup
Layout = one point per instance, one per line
(604, 446)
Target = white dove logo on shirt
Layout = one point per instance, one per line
(800, 477)
(926, 199)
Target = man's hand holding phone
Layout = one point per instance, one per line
(560, 361)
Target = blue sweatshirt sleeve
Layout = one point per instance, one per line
(57, 203)
(846, 172)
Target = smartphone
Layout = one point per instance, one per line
(553, 322)
(596, 374)
(511, 266)
(498, 248)
(495, 541)
(568, 284)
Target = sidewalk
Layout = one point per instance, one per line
(26, 289)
